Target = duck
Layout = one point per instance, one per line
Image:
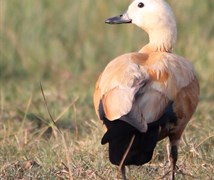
(146, 96)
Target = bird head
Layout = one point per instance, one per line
(153, 16)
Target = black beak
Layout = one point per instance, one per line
(121, 19)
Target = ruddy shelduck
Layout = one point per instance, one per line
(146, 96)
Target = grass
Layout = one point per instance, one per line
(65, 45)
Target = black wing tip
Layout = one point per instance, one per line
(101, 110)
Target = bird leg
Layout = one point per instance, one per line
(173, 160)
(173, 156)
(123, 172)
(122, 166)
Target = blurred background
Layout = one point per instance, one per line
(64, 45)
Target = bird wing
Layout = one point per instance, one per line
(118, 84)
(137, 87)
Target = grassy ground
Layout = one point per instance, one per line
(64, 45)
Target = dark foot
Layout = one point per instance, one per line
(123, 172)
(173, 160)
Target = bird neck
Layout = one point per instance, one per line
(161, 40)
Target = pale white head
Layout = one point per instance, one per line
(153, 16)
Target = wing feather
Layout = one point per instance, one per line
(118, 84)
(137, 88)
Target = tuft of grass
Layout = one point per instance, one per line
(65, 45)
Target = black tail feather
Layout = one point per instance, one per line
(119, 134)
(117, 129)
(141, 150)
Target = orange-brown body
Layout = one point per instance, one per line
(137, 88)
(150, 94)
(163, 76)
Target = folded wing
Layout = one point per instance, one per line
(136, 88)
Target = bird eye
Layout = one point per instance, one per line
(140, 5)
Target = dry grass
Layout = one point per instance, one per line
(65, 44)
